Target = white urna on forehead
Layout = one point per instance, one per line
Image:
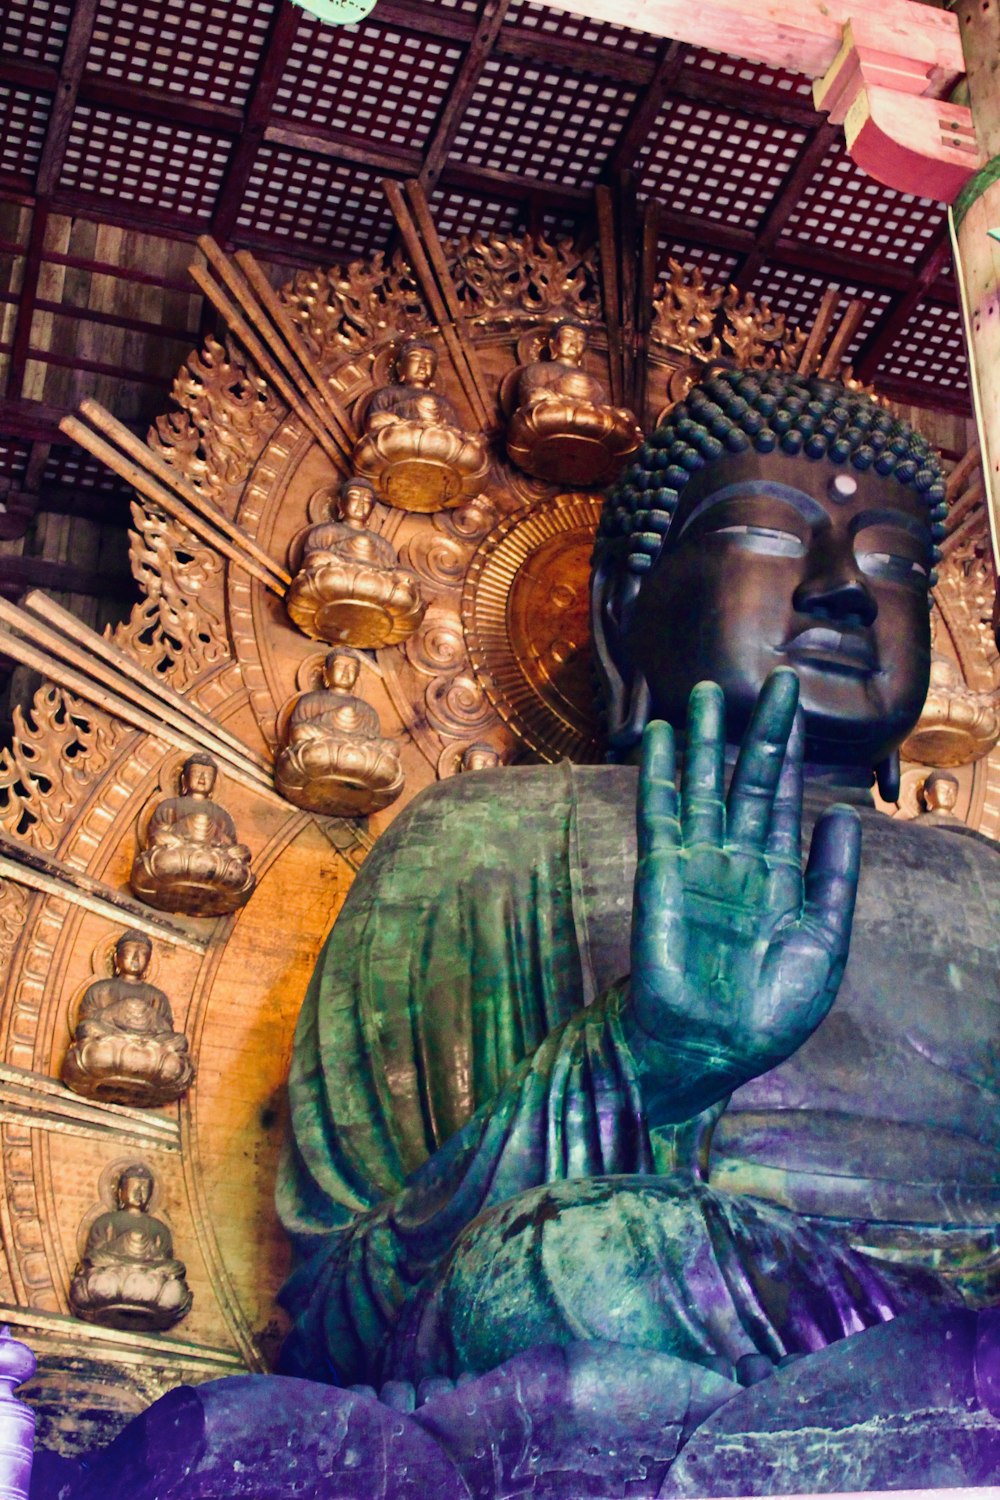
(747, 412)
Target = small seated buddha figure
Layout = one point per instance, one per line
(413, 447)
(938, 797)
(125, 1048)
(334, 758)
(562, 428)
(191, 861)
(957, 725)
(127, 1276)
(349, 587)
(479, 757)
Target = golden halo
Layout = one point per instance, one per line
(525, 617)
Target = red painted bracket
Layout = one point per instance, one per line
(896, 130)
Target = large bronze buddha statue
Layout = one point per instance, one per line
(775, 539)
(666, 1133)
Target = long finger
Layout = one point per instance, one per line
(831, 879)
(784, 840)
(704, 759)
(762, 754)
(656, 808)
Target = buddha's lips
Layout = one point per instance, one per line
(844, 650)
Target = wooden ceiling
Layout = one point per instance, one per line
(128, 127)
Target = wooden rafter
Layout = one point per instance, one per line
(768, 232)
(20, 573)
(802, 35)
(884, 333)
(484, 38)
(254, 123)
(647, 107)
(71, 70)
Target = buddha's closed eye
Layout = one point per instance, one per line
(767, 539)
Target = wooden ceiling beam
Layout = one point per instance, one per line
(71, 68)
(97, 367)
(417, 15)
(115, 320)
(102, 268)
(253, 125)
(719, 91)
(397, 160)
(159, 104)
(512, 187)
(110, 507)
(935, 398)
(785, 202)
(71, 71)
(863, 270)
(442, 138)
(18, 574)
(121, 214)
(802, 35)
(31, 421)
(548, 48)
(882, 336)
(21, 74)
(646, 109)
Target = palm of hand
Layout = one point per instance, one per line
(736, 956)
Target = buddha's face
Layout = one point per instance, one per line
(480, 758)
(132, 957)
(940, 792)
(568, 344)
(416, 366)
(356, 504)
(340, 672)
(134, 1190)
(199, 778)
(778, 561)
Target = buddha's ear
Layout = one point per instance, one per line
(887, 777)
(624, 690)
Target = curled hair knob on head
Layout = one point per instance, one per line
(735, 411)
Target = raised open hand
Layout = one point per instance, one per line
(736, 957)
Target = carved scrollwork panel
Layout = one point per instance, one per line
(458, 705)
(13, 912)
(439, 559)
(439, 645)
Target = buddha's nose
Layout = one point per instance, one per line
(841, 595)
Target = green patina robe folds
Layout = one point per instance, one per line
(489, 927)
(479, 923)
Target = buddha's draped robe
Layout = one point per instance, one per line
(462, 1043)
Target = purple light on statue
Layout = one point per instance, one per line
(17, 1421)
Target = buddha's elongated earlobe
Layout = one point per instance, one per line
(626, 734)
(887, 777)
(624, 691)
